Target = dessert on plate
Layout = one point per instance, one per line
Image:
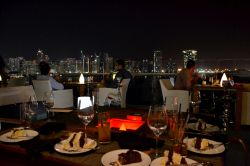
(131, 156)
(17, 133)
(172, 158)
(74, 142)
(201, 143)
(201, 125)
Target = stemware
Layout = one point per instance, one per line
(85, 112)
(48, 101)
(28, 113)
(157, 122)
(195, 101)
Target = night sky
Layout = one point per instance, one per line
(128, 29)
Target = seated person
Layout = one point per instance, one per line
(122, 73)
(3, 71)
(186, 78)
(45, 70)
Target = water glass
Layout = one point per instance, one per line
(104, 132)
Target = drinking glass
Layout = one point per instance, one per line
(85, 112)
(157, 122)
(48, 101)
(195, 101)
(172, 108)
(27, 114)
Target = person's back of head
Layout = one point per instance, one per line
(190, 64)
(121, 63)
(44, 68)
(2, 64)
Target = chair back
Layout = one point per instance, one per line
(63, 98)
(166, 83)
(14, 95)
(183, 96)
(40, 87)
(124, 89)
(107, 94)
(16, 82)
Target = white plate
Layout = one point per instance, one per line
(112, 156)
(216, 150)
(159, 161)
(30, 135)
(209, 127)
(59, 148)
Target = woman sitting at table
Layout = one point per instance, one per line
(45, 75)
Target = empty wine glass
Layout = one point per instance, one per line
(157, 122)
(85, 112)
(48, 101)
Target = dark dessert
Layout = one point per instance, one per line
(201, 125)
(175, 159)
(198, 143)
(129, 157)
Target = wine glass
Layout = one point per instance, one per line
(48, 101)
(85, 112)
(119, 87)
(27, 114)
(157, 122)
(195, 101)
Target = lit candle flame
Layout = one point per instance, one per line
(223, 78)
(123, 127)
(81, 79)
(0, 78)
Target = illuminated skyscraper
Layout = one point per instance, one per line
(40, 56)
(16, 65)
(157, 61)
(189, 54)
(108, 63)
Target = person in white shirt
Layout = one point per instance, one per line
(45, 70)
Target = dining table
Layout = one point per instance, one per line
(42, 147)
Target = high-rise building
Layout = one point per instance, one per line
(171, 66)
(16, 65)
(108, 63)
(95, 63)
(157, 61)
(71, 65)
(40, 56)
(189, 54)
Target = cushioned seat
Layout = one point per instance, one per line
(109, 94)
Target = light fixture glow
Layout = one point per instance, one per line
(223, 78)
(81, 79)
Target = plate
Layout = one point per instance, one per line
(30, 135)
(91, 145)
(209, 127)
(112, 156)
(216, 150)
(158, 161)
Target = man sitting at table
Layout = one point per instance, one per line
(45, 75)
(186, 78)
(122, 73)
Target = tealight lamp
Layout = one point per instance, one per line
(123, 127)
(81, 79)
(223, 78)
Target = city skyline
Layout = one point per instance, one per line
(135, 30)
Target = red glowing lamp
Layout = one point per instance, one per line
(125, 124)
